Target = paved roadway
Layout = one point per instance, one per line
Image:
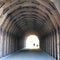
(28, 55)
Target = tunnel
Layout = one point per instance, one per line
(22, 18)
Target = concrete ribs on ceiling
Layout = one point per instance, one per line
(29, 15)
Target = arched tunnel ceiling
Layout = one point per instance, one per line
(57, 4)
(21, 16)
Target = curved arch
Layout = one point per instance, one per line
(36, 8)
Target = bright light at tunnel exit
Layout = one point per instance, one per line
(32, 42)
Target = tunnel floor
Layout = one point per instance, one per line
(28, 55)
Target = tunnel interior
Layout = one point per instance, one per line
(27, 17)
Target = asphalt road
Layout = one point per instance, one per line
(28, 55)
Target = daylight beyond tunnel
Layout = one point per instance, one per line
(32, 42)
(20, 18)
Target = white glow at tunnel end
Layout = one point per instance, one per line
(32, 42)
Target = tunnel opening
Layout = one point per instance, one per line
(32, 42)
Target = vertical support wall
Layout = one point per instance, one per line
(1, 43)
(50, 44)
(8, 43)
(59, 44)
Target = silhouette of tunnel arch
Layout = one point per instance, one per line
(32, 40)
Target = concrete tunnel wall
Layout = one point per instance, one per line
(21, 16)
(8, 43)
(59, 44)
(50, 44)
